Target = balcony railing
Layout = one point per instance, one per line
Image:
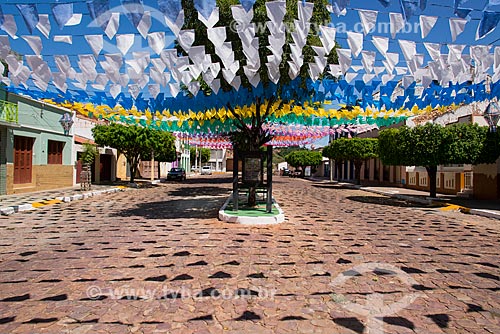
(9, 112)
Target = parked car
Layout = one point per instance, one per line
(285, 172)
(195, 169)
(206, 170)
(176, 173)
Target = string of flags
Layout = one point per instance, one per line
(156, 78)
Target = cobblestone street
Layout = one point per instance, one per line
(157, 260)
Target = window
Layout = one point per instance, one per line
(54, 152)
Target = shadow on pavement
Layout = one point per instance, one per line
(199, 191)
(199, 198)
(194, 208)
(386, 201)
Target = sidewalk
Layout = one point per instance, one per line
(485, 208)
(10, 204)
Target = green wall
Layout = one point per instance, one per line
(40, 121)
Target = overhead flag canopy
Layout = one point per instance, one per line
(134, 61)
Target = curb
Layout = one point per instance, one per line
(9, 210)
(430, 201)
(245, 220)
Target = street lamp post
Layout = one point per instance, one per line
(492, 115)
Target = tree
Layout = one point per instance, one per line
(134, 142)
(304, 158)
(251, 134)
(356, 149)
(89, 153)
(337, 153)
(432, 145)
(164, 147)
(205, 154)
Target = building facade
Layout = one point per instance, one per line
(36, 152)
(104, 168)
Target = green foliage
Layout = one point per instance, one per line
(352, 149)
(356, 149)
(135, 142)
(432, 145)
(89, 153)
(303, 158)
(279, 154)
(490, 149)
(205, 154)
(163, 147)
(321, 16)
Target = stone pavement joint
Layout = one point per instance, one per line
(157, 260)
(73, 195)
(437, 202)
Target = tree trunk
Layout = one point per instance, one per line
(339, 170)
(357, 170)
(432, 173)
(132, 172)
(252, 196)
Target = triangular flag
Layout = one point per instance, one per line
(409, 49)
(212, 20)
(434, 50)
(95, 42)
(133, 10)
(113, 24)
(62, 12)
(35, 42)
(43, 24)
(205, 7)
(426, 24)
(355, 41)
(144, 24)
(381, 43)
(487, 24)
(345, 59)
(368, 19)
(30, 15)
(368, 60)
(457, 26)
(124, 42)
(397, 23)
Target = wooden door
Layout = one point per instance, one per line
(79, 167)
(23, 159)
(105, 167)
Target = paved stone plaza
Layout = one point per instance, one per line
(157, 260)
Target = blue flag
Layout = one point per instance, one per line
(339, 6)
(488, 23)
(99, 12)
(205, 7)
(385, 3)
(247, 4)
(134, 11)
(30, 15)
(62, 13)
(170, 8)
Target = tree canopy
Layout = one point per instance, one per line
(303, 158)
(432, 145)
(135, 142)
(356, 149)
(205, 154)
